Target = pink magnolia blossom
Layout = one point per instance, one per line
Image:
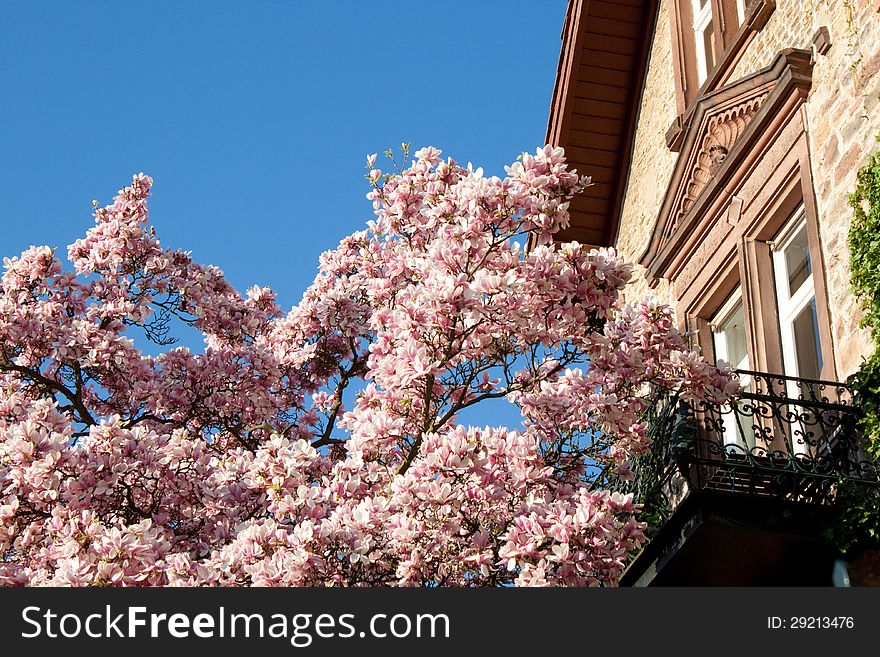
(240, 465)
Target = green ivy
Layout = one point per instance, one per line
(864, 249)
(866, 383)
(858, 526)
(864, 242)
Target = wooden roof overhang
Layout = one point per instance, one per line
(596, 98)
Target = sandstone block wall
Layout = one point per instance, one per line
(652, 162)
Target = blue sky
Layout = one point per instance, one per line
(254, 118)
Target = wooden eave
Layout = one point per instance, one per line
(596, 97)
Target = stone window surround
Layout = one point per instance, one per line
(749, 267)
(722, 239)
(731, 40)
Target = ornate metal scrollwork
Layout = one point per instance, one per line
(786, 438)
(783, 437)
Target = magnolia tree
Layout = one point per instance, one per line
(240, 465)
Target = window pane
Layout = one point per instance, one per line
(734, 331)
(737, 421)
(797, 261)
(806, 340)
(709, 46)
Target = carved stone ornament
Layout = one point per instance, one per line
(723, 128)
(720, 133)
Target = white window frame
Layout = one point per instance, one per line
(702, 20)
(788, 305)
(729, 421)
(741, 11)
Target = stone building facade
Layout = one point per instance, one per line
(840, 117)
(724, 137)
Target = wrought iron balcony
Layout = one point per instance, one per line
(785, 438)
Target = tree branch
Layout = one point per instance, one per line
(427, 425)
(74, 398)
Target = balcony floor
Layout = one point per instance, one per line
(730, 540)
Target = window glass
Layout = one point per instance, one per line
(807, 345)
(729, 336)
(798, 326)
(734, 332)
(797, 261)
(740, 11)
(704, 38)
(709, 46)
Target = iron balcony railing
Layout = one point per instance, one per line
(783, 437)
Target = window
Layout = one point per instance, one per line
(704, 38)
(789, 334)
(743, 255)
(796, 302)
(798, 318)
(708, 37)
(729, 340)
(740, 11)
(729, 334)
